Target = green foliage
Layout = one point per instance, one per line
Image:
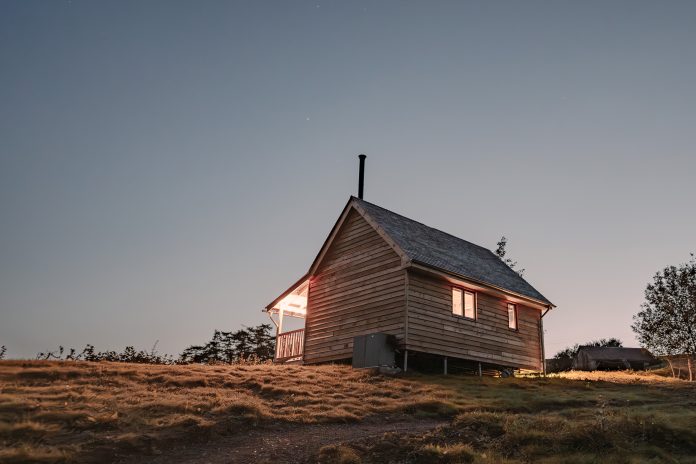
(667, 322)
(501, 252)
(248, 344)
(251, 343)
(128, 355)
(571, 351)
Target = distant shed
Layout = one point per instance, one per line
(591, 358)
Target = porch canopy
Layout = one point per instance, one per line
(293, 303)
(288, 313)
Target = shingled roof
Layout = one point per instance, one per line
(442, 251)
(611, 353)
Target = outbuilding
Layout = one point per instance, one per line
(591, 358)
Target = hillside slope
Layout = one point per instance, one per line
(103, 412)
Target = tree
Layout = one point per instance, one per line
(262, 341)
(666, 324)
(501, 252)
(571, 351)
(251, 343)
(3, 350)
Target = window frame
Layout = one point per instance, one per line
(464, 291)
(517, 321)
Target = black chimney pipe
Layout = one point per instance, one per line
(361, 181)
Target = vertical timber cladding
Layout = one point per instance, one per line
(433, 328)
(357, 289)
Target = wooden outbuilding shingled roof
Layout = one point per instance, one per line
(440, 250)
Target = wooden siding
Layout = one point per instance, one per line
(358, 288)
(432, 327)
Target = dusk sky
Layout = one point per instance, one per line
(168, 168)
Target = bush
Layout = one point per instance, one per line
(129, 355)
(252, 344)
(337, 454)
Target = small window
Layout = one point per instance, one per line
(463, 303)
(469, 305)
(457, 307)
(512, 316)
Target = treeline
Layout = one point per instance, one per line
(251, 344)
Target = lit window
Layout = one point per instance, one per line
(457, 302)
(512, 316)
(463, 303)
(469, 306)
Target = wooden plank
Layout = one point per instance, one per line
(324, 290)
(432, 327)
(357, 289)
(388, 281)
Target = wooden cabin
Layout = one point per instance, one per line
(441, 297)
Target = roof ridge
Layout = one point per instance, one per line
(426, 225)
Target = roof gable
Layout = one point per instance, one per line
(436, 249)
(350, 206)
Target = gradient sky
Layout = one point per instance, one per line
(168, 168)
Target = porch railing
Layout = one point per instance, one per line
(289, 345)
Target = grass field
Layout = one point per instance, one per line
(78, 411)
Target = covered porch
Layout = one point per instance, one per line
(288, 314)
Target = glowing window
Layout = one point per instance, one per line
(457, 307)
(463, 303)
(512, 316)
(469, 305)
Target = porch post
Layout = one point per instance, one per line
(541, 343)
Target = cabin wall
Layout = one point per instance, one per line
(359, 288)
(432, 327)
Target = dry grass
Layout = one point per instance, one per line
(78, 411)
(660, 376)
(53, 411)
(616, 417)
(337, 454)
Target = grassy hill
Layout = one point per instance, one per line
(79, 411)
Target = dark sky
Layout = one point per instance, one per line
(167, 168)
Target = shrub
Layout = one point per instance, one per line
(337, 454)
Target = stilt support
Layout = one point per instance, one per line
(479, 370)
(405, 360)
(445, 366)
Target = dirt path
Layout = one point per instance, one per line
(283, 444)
